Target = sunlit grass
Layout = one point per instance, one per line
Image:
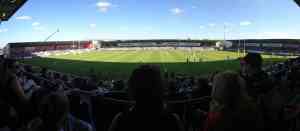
(119, 64)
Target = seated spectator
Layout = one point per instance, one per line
(78, 83)
(12, 98)
(53, 112)
(50, 76)
(65, 78)
(146, 88)
(57, 76)
(91, 84)
(44, 72)
(231, 109)
(119, 85)
(28, 85)
(28, 68)
(257, 80)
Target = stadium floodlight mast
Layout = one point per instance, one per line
(51, 35)
(243, 42)
(224, 32)
(244, 47)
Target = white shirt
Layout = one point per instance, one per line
(28, 84)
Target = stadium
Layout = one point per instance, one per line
(164, 84)
(119, 58)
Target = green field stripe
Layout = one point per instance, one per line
(108, 56)
(169, 57)
(179, 56)
(132, 57)
(145, 56)
(119, 64)
(121, 57)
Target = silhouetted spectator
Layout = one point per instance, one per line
(91, 84)
(44, 72)
(119, 85)
(257, 80)
(53, 112)
(146, 88)
(57, 76)
(12, 98)
(78, 83)
(231, 109)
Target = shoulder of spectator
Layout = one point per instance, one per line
(34, 124)
(178, 122)
(115, 122)
(79, 124)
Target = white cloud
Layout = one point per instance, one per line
(103, 6)
(212, 24)
(38, 27)
(245, 23)
(3, 30)
(177, 11)
(35, 24)
(24, 17)
(201, 27)
(93, 25)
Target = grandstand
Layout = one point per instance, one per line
(269, 46)
(28, 49)
(289, 47)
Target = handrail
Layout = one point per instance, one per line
(95, 93)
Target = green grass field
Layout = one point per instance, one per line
(119, 64)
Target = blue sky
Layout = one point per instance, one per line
(146, 19)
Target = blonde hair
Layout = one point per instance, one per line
(229, 90)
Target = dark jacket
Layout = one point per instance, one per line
(146, 121)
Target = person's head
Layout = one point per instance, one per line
(118, 85)
(251, 64)
(65, 78)
(44, 70)
(57, 76)
(228, 90)
(78, 83)
(28, 68)
(146, 84)
(53, 110)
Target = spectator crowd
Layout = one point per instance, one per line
(252, 98)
